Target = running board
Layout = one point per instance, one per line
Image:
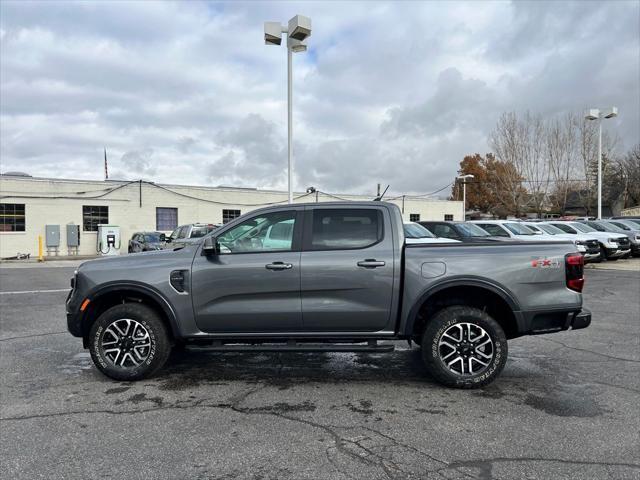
(299, 347)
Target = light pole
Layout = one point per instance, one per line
(464, 194)
(597, 114)
(297, 31)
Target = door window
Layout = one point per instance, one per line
(495, 230)
(264, 233)
(443, 230)
(343, 229)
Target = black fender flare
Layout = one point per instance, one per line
(465, 281)
(115, 286)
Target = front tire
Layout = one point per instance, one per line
(464, 347)
(129, 342)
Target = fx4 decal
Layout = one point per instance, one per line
(544, 262)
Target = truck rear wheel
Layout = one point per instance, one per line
(129, 342)
(463, 347)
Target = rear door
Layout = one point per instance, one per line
(253, 284)
(347, 269)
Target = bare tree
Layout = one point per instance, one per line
(535, 160)
(631, 168)
(561, 144)
(507, 144)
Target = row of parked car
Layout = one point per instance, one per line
(597, 240)
(182, 235)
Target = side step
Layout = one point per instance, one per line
(292, 346)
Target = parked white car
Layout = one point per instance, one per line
(586, 244)
(612, 245)
(416, 233)
(512, 229)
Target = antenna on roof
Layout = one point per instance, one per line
(106, 169)
(379, 197)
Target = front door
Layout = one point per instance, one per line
(347, 269)
(253, 284)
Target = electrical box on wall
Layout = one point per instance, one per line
(52, 236)
(73, 235)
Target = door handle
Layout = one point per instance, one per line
(278, 266)
(371, 263)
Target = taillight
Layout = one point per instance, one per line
(574, 267)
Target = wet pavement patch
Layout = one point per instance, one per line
(141, 397)
(112, 391)
(565, 403)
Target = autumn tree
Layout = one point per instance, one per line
(478, 193)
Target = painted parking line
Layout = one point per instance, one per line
(24, 292)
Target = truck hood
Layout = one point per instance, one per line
(140, 260)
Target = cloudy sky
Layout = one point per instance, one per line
(394, 93)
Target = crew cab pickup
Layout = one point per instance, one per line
(328, 277)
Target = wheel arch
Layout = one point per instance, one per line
(491, 297)
(114, 293)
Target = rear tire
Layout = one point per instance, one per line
(129, 342)
(463, 347)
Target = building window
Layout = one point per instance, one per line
(166, 219)
(228, 215)
(12, 217)
(448, 217)
(92, 216)
(414, 217)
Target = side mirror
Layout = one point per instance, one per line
(210, 245)
(168, 239)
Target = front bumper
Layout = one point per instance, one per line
(589, 257)
(616, 252)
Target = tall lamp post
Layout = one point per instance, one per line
(464, 194)
(297, 30)
(597, 114)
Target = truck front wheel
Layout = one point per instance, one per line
(463, 347)
(129, 342)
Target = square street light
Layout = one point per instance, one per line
(298, 30)
(597, 114)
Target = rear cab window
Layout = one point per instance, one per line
(343, 228)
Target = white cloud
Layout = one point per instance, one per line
(395, 93)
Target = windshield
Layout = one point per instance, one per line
(551, 230)
(518, 229)
(414, 230)
(154, 237)
(581, 227)
(472, 230)
(633, 223)
(534, 229)
(612, 227)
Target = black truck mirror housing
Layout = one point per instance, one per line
(210, 245)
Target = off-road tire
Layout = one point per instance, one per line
(440, 323)
(159, 338)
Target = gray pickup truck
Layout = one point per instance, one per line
(326, 277)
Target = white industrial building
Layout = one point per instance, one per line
(29, 204)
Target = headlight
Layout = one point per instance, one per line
(578, 242)
(637, 238)
(613, 240)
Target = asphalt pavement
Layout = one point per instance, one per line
(566, 405)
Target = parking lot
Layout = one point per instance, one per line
(566, 405)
